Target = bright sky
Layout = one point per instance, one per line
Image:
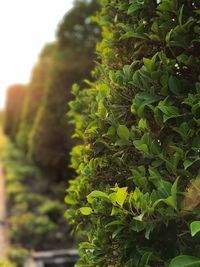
(25, 26)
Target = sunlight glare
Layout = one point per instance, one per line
(25, 26)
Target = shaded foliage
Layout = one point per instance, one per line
(35, 210)
(136, 194)
(78, 28)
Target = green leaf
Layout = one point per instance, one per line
(175, 85)
(136, 80)
(137, 226)
(97, 194)
(180, 17)
(139, 177)
(195, 227)
(185, 261)
(168, 36)
(115, 210)
(170, 202)
(70, 200)
(85, 211)
(134, 8)
(149, 228)
(146, 258)
(155, 27)
(87, 245)
(143, 100)
(158, 116)
(117, 231)
(141, 147)
(150, 63)
(142, 124)
(121, 195)
(123, 132)
(114, 223)
(135, 35)
(184, 130)
(187, 163)
(174, 190)
(168, 110)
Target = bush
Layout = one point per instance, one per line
(35, 211)
(138, 167)
(53, 209)
(16, 256)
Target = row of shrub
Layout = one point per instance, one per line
(136, 195)
(36, 159)
(35, 209)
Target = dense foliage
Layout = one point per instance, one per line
(35, 211)
(136, 195)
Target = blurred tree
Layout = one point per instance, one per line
(14, 102)
(34, 95)
(72, 62)
(36, 194)
(78, 29)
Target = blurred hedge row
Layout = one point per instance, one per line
(37, 158)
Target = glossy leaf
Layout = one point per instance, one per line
(185, 261)
(86, 211)
(123, 132)
(195, 227)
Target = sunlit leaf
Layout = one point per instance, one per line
(86, 210)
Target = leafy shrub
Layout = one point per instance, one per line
(16, 256)
(137, 191)
(35, 212)
(28, 225)
(53, 209)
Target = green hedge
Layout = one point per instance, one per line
(136, 194)
(35, 210)
(34, 96)
(72, 60)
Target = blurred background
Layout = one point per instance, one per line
(46, 47)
